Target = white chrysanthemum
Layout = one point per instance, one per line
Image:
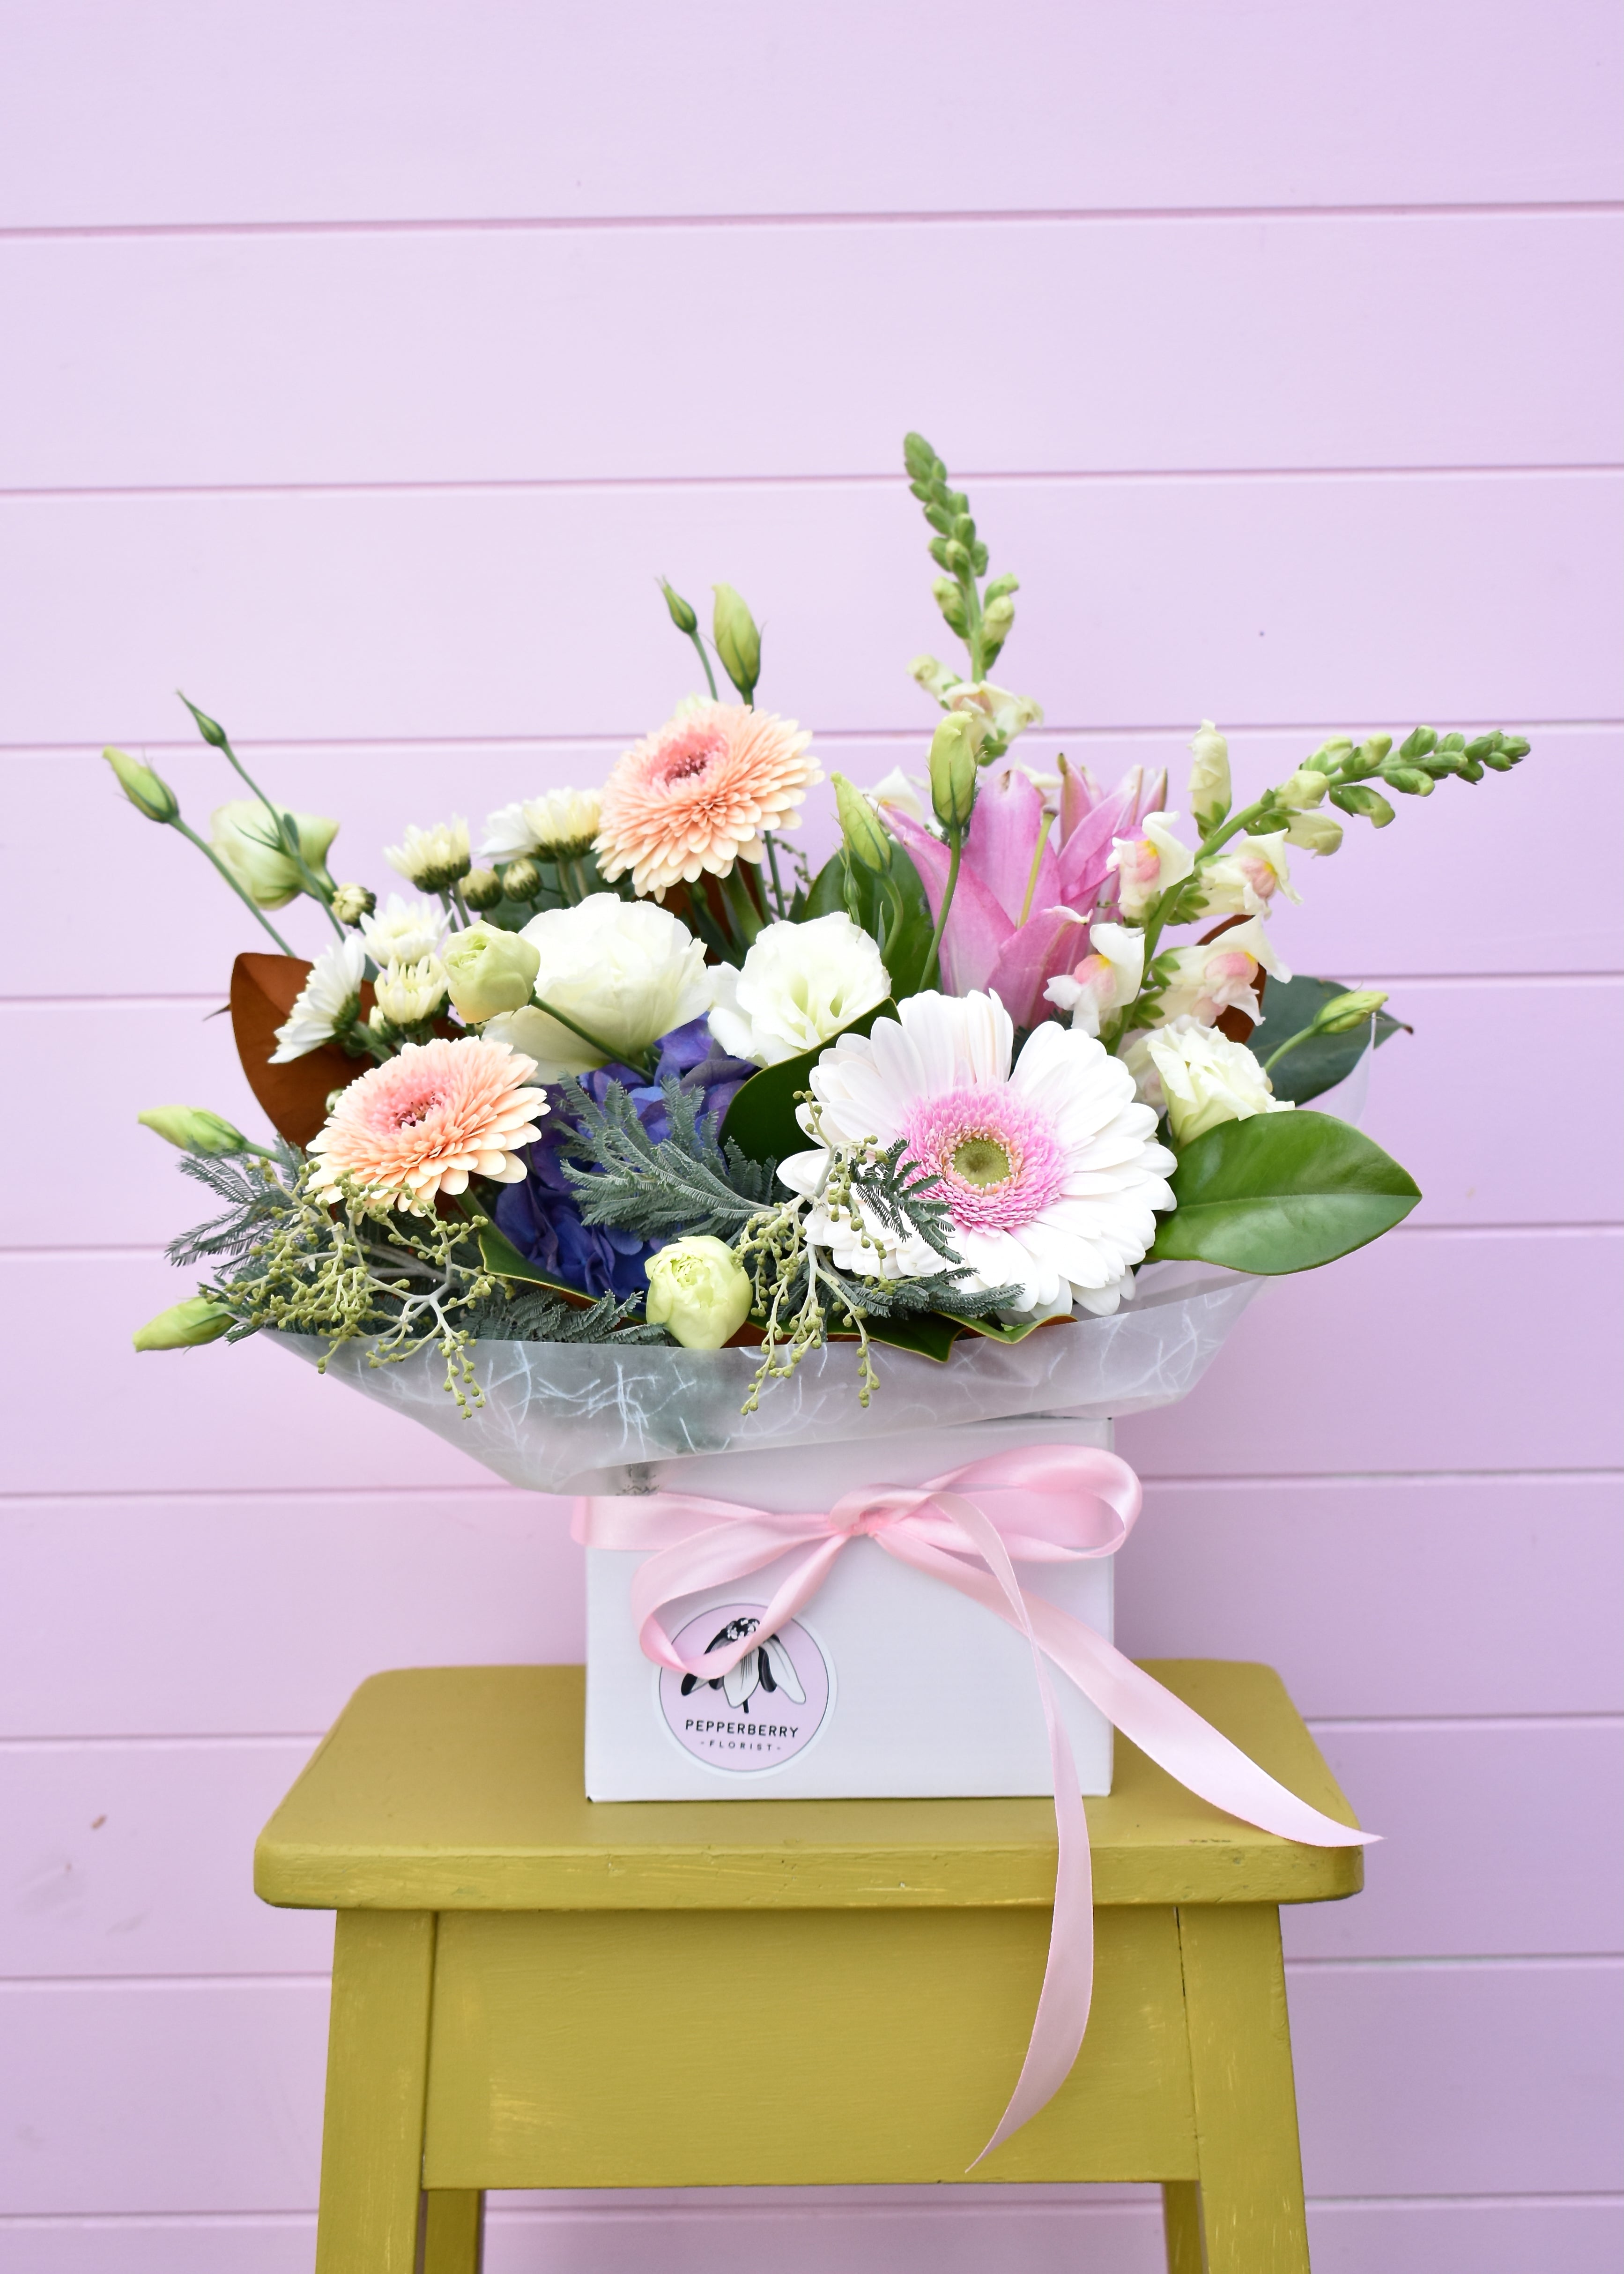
(563, 824)
(404, 932)
(330, 999)
(1051, 1172)
(801, 984)
(431, 859)
(408, 993)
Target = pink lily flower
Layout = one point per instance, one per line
(1023, 903)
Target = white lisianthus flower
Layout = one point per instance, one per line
(1222, 975)
(1107, 978)
(563, 824)
(431, 859)
(243, 836)
(404, 994)
(1246, 875)
(625, 970)
(1051, 1174)
(1150, 863)
(801, 984)
(1201, 1077)
(698, 1291)
(329, 1000)
(404, 931)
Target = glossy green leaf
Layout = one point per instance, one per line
(907, 939)
(761, 1120)
(500, 1256)
(1314, 1066)
(1284, 1192)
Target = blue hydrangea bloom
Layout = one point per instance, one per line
(540, 1218)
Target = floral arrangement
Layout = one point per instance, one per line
(633, 1074)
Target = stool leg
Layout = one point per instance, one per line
(455, 2234)
(1251, 2189)
(378, 2052)
(1180, 2223)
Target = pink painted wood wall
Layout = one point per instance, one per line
(363, 365)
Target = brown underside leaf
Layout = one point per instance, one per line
(1235, 1023)
(264, 990)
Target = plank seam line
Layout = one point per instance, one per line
(1384, 1724)
(370, 745)
(56, 1984)
(955, 217)
(1527, 1962)
(638, 485)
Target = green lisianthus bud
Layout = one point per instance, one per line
(481, 888)
(681, 615)
(1209, 776)
(350, 902)
(194, 1129)
(213, 733)
(147, 791)
(1359, 797)
(1343, 1012)
(521, 878)
(185, 1326)
(738, 641)
(865, 840)
(489, 971)
(953, 770)
(699, 1291)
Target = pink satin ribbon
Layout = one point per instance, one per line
(1039, 1504)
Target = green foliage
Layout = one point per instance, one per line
(982, 621)
(687, 1182)
(541, 1316)
(1284, 1192)
(1320, 1063)
(761, 1121)
(892, 909)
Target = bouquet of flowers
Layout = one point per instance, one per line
(632, 1074)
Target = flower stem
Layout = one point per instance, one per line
(287, 838)
(641, 1060)
(743, 916)
(772, 862)
(705, 661)
(209, 854)
(932, 971)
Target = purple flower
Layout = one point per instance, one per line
(540, 1217)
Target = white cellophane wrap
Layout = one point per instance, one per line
(564, 1417)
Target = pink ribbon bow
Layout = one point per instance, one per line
(1040, 1505)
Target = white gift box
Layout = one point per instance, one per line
(906, 1689)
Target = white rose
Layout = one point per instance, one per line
(243, 835)
(625, 971)
(800, 985)
(1201, 1077)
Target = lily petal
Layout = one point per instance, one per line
(1006, 831)
(1045, 945)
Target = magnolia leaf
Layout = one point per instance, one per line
(1284, 1192)
(1324, 1060)
(294, 1097)
(905, 942)
(997, 1333)
(761, 1121)
(500, 1256)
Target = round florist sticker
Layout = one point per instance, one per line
(768, 1709)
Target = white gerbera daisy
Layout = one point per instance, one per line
(1051, 1172)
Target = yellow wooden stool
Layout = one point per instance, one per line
(530, 1990)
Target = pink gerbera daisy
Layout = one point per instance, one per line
(697, 796)
(427, 1120)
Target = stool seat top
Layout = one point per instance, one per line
(461, 1789)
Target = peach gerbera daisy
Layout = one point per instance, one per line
(427, 1120)
(699, 795)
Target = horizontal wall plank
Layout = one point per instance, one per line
(1399, 1596)
(133, 1859)
(1436, 2079)
(1484, 1149)
(612, 2234)
(227, 2116)
(1426, 896)
(126, 1860)
(334, 376)
(1425, 2080)
(397, 112)
(1418, 1307)
(473, 613)
(1495, 1840)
